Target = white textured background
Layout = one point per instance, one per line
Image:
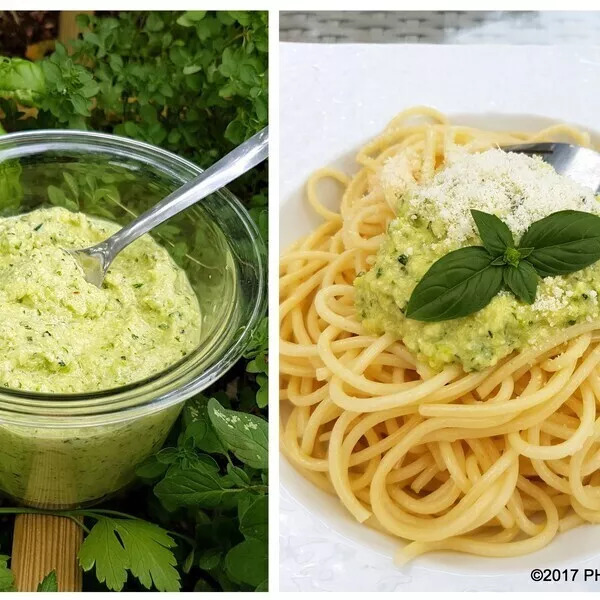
(333, 98)
(441, 27)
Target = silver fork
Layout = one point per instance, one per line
(578, 163)
(96, 260)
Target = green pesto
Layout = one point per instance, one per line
(54, 467)
(412, 244)
(60, 334)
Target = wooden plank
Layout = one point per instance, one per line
(67, 24)
(44, 543)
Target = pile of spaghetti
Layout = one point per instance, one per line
(494, 462)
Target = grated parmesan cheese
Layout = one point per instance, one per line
(517, 188)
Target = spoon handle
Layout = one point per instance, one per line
(243, 158)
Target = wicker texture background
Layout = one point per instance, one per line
(441, 27)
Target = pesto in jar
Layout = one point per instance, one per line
(60, 334)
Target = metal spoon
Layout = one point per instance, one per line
(96, 260)
(578, 163)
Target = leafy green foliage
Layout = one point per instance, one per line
(49, 583)
(220, 465)
(70, 88)
(245, 435)
(196, 84)
(247, 562)
(21, 81)
(7, 579)
(115, 546)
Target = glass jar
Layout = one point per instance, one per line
(62, 451)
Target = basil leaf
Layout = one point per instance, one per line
(564, 242)
(494, 234)
(522, 281)
(457, 285)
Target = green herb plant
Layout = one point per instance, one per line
(215, 478)
(464, 281)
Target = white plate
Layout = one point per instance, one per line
(333, 99)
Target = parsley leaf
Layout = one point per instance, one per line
(116, 546)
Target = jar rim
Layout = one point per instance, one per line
(126, 402)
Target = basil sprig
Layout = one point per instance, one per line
(464, 281)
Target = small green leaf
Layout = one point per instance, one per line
(154, 22)
(7, 579)
(56, 195)
(262, 396)
(191, 69)
(198, 426)
(151, 468)
(167, 456)
(191, 17)
(235, 132)
(525, 252)
(71, 183)
(209, 559)
(82, 21)
(80, 105)
(247, 562)
(495, 235)
(191, 487)
(188, 563)
(522, 281)
(49, 583)
(512, 257)
(564, 242)
(245, 435)
(458, 284)
(254, 519)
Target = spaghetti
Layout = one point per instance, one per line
(493, 462)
